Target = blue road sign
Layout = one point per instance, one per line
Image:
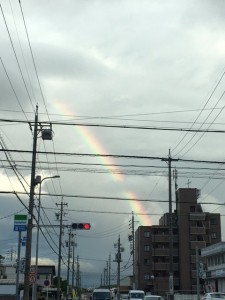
(20, 227)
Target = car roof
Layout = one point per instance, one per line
(101, 290)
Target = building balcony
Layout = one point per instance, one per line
(164, 252)
(199, 244)
(160, 238)
(164, 238)
(159, 279)
(160, 266)
(197, 230)
(197, 216)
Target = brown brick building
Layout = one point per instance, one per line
(192, 229)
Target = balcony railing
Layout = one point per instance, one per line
(199, 244)
(164, 252)
(197, 216)
(197, 230)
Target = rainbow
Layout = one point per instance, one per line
(89, 138)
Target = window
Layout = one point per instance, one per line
(147, 262)
(213, 221)
(146, 248)
(147, 234)
(213, 235)
(147, 276)
(192, 208)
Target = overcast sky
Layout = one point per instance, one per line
(136, 63)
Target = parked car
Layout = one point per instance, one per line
(215, 295)
(153, 297)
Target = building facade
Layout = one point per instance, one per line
(192, 229)
(214, 267)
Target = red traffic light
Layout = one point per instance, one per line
(87, 226)
(81, 226)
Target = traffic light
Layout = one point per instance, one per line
(81, 226)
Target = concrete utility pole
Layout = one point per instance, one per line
(68, 262)
(78, 275)
(30, 213)
(118, 260)
(109, 271)
(46, 135)
(62, 204)
(171, 291)
(171, 285)
(73, 264)
(132, 240)
(118, 270)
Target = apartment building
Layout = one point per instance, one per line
(192, 229)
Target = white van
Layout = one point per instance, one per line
(136, 295)
(101, 294)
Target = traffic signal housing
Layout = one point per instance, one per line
(81, 226)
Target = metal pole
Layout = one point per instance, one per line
(18, 267)
(34, 295)
(30, 216)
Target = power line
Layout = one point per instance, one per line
(120, 126)
(104, 197)
(18, 64)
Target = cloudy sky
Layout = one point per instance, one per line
(143, 72)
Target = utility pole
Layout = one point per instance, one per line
(62, 204)
(30, 213)
(171, 286)
(73, 265)
(46, 135)
(118, 260)
(132, 241)
(68, 267)
(109, 271)
(107, 274)
(78, 276)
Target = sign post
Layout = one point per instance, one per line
(20, 224)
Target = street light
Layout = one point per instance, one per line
(39, 181)
(153, 283)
